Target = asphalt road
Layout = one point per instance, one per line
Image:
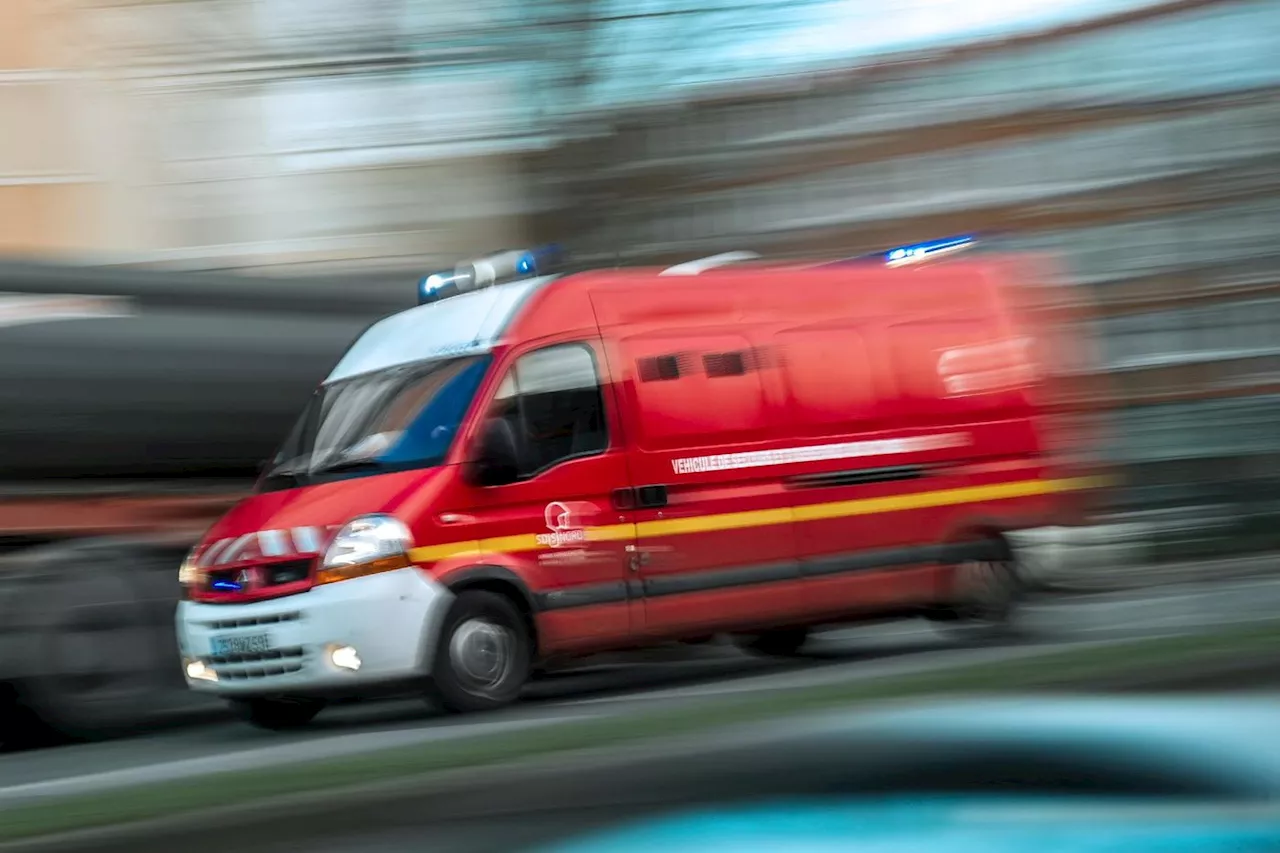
(610, 687)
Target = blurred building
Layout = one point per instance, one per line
(49, 180)
(1142, 147)
(1137, 139)
(261, 133)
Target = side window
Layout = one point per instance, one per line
(552, 399)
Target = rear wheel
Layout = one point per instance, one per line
(781, 642)
(277, 714)
(987, 596)
(484, 654)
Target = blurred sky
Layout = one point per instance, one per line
(688, 42)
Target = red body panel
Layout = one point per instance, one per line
(816, 432)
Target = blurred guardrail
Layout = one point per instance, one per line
(1139, 551)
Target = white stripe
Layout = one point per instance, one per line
(272, 543)
(307, 540)
(206, 559)
(816, 453)
(233, 553)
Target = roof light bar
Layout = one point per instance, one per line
(498, 268)
(918, 252)
(442, 285)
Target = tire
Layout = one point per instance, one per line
(782, 642)
(277, 714)
(101, 659)
(484, 654)
(989, 594)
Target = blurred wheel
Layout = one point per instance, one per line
(986, 598)
(483, 656)
(98, 662)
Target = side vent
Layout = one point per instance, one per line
(725, 364)
(662, 368)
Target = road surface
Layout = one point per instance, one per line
(609, 688)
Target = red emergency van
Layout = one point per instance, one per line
(518, 471)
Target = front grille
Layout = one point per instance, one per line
(251, 621)
(260, 665)
(266, 575)
(275, 574)
(262, 671)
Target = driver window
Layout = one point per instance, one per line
(552, 399)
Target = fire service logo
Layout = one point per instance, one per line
(563, 526)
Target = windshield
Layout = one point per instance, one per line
(386, 420)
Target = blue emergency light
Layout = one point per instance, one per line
(441, 285)
(490, 270)
(539, 261)
(917, 252)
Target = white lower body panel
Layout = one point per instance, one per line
(283, 646)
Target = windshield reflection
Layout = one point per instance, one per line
(387, 420)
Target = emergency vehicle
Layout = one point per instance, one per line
(530, 466)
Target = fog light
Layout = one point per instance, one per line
(197, 671)
(344, 657)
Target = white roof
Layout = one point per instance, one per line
(459, 325)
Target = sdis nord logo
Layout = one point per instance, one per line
(564, 526)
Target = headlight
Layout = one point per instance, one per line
(189, 572)
(368, 545)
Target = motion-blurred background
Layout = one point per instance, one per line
(203, 201)
(1137, 140)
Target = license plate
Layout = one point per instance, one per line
(248, 644)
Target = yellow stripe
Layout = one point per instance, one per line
(611, 533)
(433, 553)
(507, 544)
(924, 500)
(709, 523)
(768, 517)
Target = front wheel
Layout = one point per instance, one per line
(484, 654)
(277, 714)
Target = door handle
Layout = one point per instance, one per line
(641, 497)
(642, 555)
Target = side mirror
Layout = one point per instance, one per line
(493, 460)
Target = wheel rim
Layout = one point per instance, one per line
(482, 654)
(986, 587)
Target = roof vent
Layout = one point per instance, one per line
(702, 264)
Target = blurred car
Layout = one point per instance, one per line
(1049, 774)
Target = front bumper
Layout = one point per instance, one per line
(391, 620)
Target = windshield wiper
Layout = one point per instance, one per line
(290, 470)
(347, 465)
